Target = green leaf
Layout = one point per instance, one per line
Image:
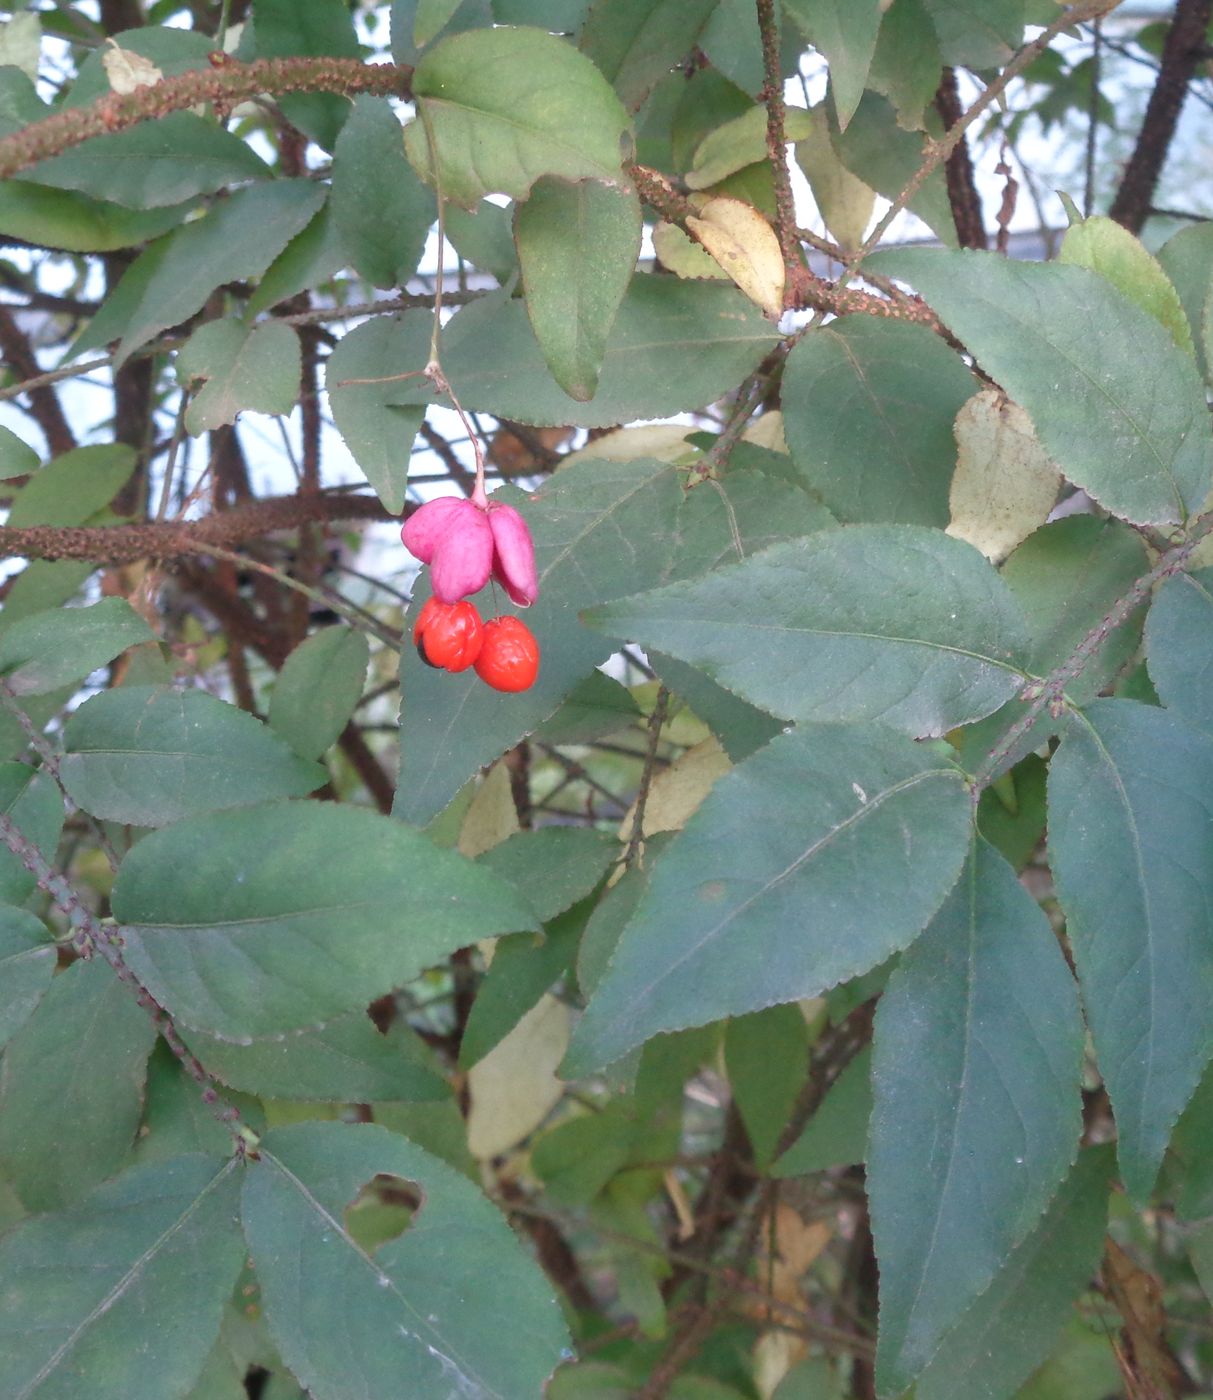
(17, 457)
(733, 44)
(906, 65)
(21, 42)
(714, 334)
(176, 1119)
(51, 218)
(31, 801)
(256, 922)
(150, 755)
(553, 867)
(1013, 1326)
(756, 902)
(598, 706)
(977, 1115)
(71, 1087)
(844, 31)
(377, 430)
(426, 1305)
(837, 1134)
(121, 1297)
(27, 963)
(577, 246)
(1191, 1146)
(890, 622)
(1116, 405)
(635, 43)
(844, 202)
(321, 28)
(885, 156)
(52, 649)
(1187, 261)
(484, 238)
(868, 409)
(1130, 821)
(1011, 812)
(242, 366)
(766, 1056)
(741, 728)
(381, 209)
(310, 259)
(345, 1061)
(318, 689)
(1112, 251)
(1179, 646)
(74, 486)
(166, 162)
(978, 33)
(611, 916)
(523, 968)
(600, 527)
(505, 106)
(167, 284)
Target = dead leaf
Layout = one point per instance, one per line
(745, 246)
(683, 256)
(676, 792)
(128, 70)
(1005, 483)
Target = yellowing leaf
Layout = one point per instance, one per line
(682, 255)
(740, 142)
(767, 431)
(665, 442)
(127, 70)
(21, 43)
(844, 202)
(1005, 483)
(745, 245)
(492, 816)
(514, 1088)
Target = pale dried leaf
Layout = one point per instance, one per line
(767, 431)
(127, 70)
(514, 1088)
(492, 816)
(745, 245)
(677, 791)
(1005, 484)
(775, 1353)
(665, 442)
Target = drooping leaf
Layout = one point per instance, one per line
(242, 367)
(1179, 646)
(600, 528)
(321, 28)
(438, 1317)
(1012, 1327)
(895, 623)
(977, 1113)
(756, 902)
(739, 143)
(505, 106)
(837, 1134)
(977, 33)
(27, 963)
(73, 1074)
(318, 689)
(746, 247)
(844, 202)
(151, 755)
(1117, 256)
(52, 649)
(121, 1296)
(906, 65)
(346, 1061)
(378, 431)
(169, 282)
(381, 208)
(868, 410)
(714, 335)
(31, 801)
(844, 31)
(572, 297)
(1005, 484)
(1116, 405)
(484, 238)
(766, 1056)
(256, 922)
(1187, 261)
(635, 43)
(1130, 819)
(157, 164)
